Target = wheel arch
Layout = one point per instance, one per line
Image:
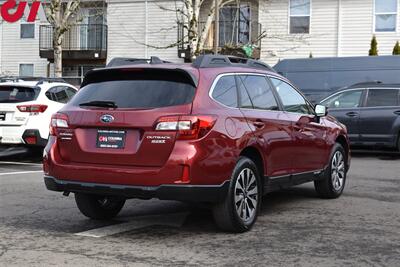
(342, 140)
(254, 154)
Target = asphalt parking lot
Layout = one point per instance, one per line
(295, 228)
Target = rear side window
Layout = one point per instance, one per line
(382, 98)
(349, 99)
(244, 97)
(138, 89)
(60, 94)
(15, 94)
(225, 91)
(260, 92)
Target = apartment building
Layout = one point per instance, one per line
(292, 28)
(19, 47)
(26, 49)
(142, 28)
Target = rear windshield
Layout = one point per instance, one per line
(139, 91)
(15, 94)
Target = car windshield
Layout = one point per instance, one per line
(16, 94)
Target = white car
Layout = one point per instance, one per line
(26, 108)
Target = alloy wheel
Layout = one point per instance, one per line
(338, 171)
(246, 195)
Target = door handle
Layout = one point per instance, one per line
(352, 114)
(258, 124)
(397, 112)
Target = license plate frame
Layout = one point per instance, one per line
(111, 139)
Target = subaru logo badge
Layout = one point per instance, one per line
(107, 118)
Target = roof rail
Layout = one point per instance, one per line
(40, 80)
(50, 80)
(122, 61)
(212, 61)
(366, 83)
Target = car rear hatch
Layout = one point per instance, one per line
(11, 97)
(111, 121)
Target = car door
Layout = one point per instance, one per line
(270, 125)
(309, 150)
(345, 107)
(379, 117)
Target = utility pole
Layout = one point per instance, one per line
(216, 26)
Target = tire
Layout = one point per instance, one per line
(398, 143)
(228, 214)
(98, 207)
(333, 183)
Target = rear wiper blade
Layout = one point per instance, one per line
(106, 104)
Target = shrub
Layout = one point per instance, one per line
(374, 47)
(396, 49)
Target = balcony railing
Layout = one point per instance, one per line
(231, 34)
(80, 37)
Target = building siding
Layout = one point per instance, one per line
(134, 33)
(279, 44)
(17, 51)
(127, 24)
(358, 29)
(328, 36)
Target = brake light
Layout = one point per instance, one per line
(32, 108)
(188, 127)
(30, 140)
(58, 120)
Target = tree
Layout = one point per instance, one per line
(62, 15)
(59, 15)
(189, 16)
(396, 49)
(374, 47)
(196, 33)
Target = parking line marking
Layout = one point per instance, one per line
(20, 163)
(171, 219)
(14, 173)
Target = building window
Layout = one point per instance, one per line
(385, 15)
(27, 30)
(300, 13)
(26, 70)
(234, 24)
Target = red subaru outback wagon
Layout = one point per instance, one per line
(223, 131)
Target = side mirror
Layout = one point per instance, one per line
(321, 111)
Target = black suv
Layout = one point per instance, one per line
(371, 112)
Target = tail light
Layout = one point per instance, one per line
(58, 120)
(30, 140)
(32, 108)
(188, 127)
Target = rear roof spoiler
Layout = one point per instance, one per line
(98, 75)
(124, 61)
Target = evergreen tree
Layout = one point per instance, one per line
(396, 49)
(374, 47)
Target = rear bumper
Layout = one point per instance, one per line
(192, 193)
(17, 135)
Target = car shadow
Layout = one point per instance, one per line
(200, 218)
(20, 154)
(379, 154)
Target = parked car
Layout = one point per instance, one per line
(371, 112)
(222, 131)
(320, 77)
(26, 107)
